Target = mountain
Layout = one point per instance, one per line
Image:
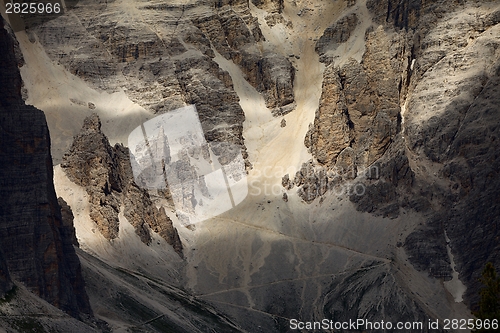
(35, 248)
(368, 130)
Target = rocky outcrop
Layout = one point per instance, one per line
(452, 131)
(403, 14)
(270, 5)
(406, 130)
(34, 242)
(148, 60)
(210, 90)
(315, 181)
(140, 211)
(165, 60)
(337, 33)
(163, 226)
(420, 109)
(330, 133)
(388, 184)
(358, 117)
(106, 174)
(357, 289)
(90, 163)
(359, 112)
(234, 32)
(463, 117)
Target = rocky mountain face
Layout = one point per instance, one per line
(5, 279)
(172, 64)
(106, 174)
(370, 134)
(419, 109)
(36, 248)
(233, 31)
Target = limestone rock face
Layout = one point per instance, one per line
(388, 184)
(270, 5)
(90, 163)
(331, 133)
(464, 116)
(401, 170)
(165, 59)
(338, 32)
(139, 209)
(359, 108)
(149, 64)
(164, 227)
(106, 174)
(35, 246)
(214, 99)
(234, 33)
(359, 112)
(357, 289)
(416, 120)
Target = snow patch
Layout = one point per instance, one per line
(455, 287)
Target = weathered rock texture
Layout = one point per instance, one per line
(234, 32)
(36, 248)
(359, 108)
(67, 220)
(339, 32)
(359, 113)
(106, 174)
(412, 118)
(458, 132)
(162, 54)
(357, 289)
(91, 163)
(421, 109)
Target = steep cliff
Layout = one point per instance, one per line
(34, 243)
(372, 132)
(419, 109)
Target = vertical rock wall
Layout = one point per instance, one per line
(34, 245)
(422, 108)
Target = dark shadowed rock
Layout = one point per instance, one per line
(6, 284)
(163, 226)
(421, 109)
(33, 238)
(67, 219)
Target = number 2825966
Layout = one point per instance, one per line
(32, 8)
